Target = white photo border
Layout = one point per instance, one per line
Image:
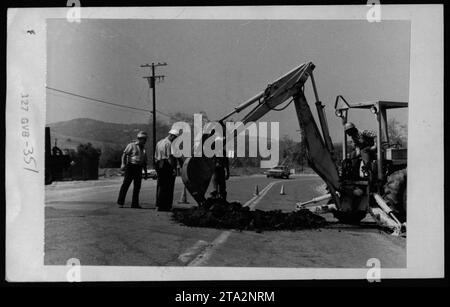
(26, 80)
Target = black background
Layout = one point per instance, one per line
(298, 293)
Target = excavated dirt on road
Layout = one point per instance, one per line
(222, 214)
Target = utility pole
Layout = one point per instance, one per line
(151, 83)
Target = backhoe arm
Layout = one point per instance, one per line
(319, 157)
(197, 172)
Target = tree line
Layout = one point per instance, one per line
(292, 153)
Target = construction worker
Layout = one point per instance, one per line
(134, 160)
(166, 168)
(364, 142)
(221, 173)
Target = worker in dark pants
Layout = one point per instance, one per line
(221, 173)
(365, 145)
(166, 168)
(134, 160)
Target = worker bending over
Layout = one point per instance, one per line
(365, 144)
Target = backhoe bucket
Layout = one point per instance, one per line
(196, 175)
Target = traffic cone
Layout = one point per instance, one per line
(183, 198)
(282, 190)
(256, 190)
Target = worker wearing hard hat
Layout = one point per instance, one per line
(221, 172)
(364, 142)
(166, 168)
(134, 161)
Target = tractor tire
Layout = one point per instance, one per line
(395, 193)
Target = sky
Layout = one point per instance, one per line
(214, 65)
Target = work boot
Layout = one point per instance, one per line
(223, 196)
(214, 194)
(120, 205)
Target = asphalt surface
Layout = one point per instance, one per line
(84, 222)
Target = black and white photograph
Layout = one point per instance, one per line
(224, 143)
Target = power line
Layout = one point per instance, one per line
(160, 112)
(88, 102)
(110, 103)
(96, 100)
(167, 115)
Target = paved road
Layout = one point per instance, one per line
(82, 221)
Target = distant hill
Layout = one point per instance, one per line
(70, 134)
(114, 137)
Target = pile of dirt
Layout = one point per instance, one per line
(218, 213)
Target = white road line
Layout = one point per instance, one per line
(190, 252)
(204, 256)
(253, 205)
(257, 198)
(251, 200)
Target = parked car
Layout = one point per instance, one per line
(151, 174)
(278, 172)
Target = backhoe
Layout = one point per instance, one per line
(381, 191)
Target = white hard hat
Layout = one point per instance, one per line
(174, 132)
(349, 126)
(142, 134)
